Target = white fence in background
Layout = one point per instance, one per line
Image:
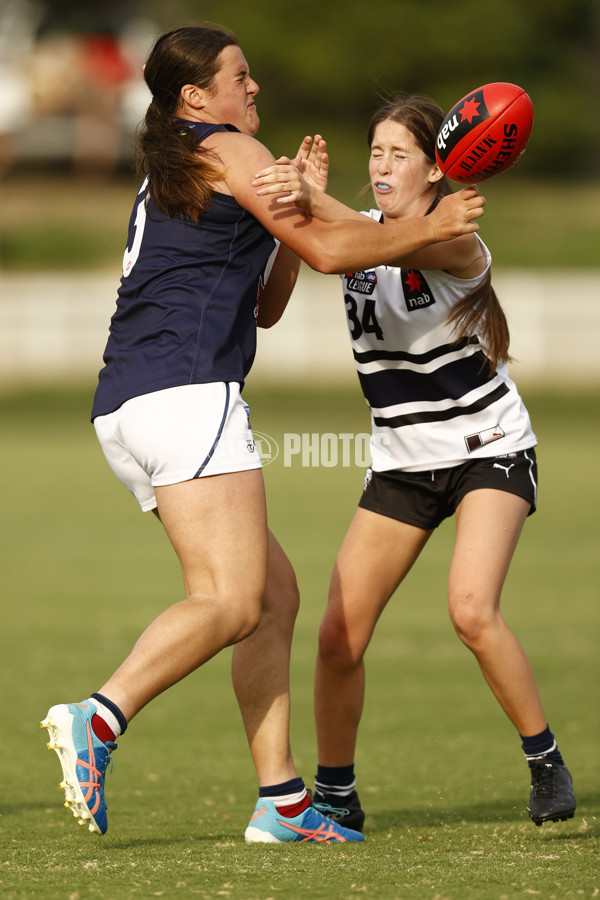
(53, 326)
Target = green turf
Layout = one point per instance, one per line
(440, 768)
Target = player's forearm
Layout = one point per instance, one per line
(349, 245)
(278, 288)
(328, 209)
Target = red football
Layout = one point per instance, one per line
(484, 133)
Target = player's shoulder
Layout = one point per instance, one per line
(238, 147)
(470, 258)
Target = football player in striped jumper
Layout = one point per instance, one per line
(450, 437)
(206, 261)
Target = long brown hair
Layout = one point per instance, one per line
(479, 312)
(179, 171)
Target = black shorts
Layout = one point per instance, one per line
(425, 499)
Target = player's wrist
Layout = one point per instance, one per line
(428, 231)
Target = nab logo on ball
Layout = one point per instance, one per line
(484, 133)
(459, 121)
(417, 293)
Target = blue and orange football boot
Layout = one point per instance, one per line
(83, 758)
(267, 826)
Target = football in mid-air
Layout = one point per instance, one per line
(484, 133)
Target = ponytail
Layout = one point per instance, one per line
(180, 172)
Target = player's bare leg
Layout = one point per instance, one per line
(260, 673)
(376, 554)
(488, 525)
(204, 519)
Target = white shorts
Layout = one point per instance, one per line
(177, 434)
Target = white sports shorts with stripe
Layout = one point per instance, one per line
(425, 499)
(176, 435)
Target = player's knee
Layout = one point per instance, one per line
(248, 622)
(242, 624)
(336, 645)
(470, 617)
(235, 615)
(281, 603)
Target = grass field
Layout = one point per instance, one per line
(440, 768)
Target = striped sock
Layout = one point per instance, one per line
(108, 722)
(290, 798)
(337, 781)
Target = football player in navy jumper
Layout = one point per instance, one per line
(206, 261)
(451, 436)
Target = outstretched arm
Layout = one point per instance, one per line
(344, 245)
(462, 256)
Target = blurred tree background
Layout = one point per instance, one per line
(325, 66)
(322, 67)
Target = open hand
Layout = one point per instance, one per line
(313, 162)
(296, 178)
(283, 178)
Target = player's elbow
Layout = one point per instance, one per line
(268, 319)
(324, 260)
(327, 267)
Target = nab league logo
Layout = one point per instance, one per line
(417, 293)
(362, 282)
(460, 120)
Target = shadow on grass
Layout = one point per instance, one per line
(188, 840)
(502, 812)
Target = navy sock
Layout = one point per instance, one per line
(541, 747)
(336, 780)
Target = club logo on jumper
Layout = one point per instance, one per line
(459, 122)
(362, 282)
(473, 441)
(417, 293)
